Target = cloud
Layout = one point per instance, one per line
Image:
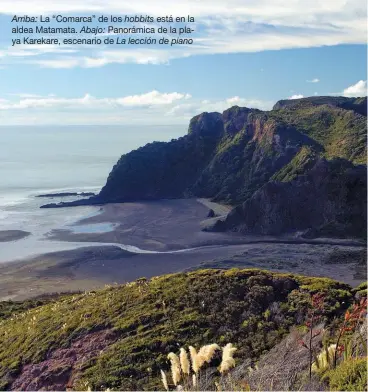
(101, 58)
(190, 109)
(151, 98)
(34, 50)
(250, 103)
(219, 42)
(296, 96)
(358, 89)
(234, 26)
(264, 10)
(58, 63)
(315, 80)
(152, 107)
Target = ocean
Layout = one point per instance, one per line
(53, 159)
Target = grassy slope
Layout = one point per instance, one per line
(341, 132)
(301, 163)
(253, 309)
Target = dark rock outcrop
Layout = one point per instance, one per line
(328, 201)
(94, 200)
(67, 194)
(211, 213)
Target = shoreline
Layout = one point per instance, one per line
(169, 225)
(146, 239)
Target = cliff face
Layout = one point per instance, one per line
(226, 157)
(165, 170)
(289, 169)
(329, 200)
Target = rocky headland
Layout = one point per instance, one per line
(297, 169)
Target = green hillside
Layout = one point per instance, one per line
(342, 133)
(119, 337)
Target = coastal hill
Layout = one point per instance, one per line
(119, 337)
(299, 168)
(358, 105)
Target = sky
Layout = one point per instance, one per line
(245, 52)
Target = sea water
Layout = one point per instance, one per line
(53, 159)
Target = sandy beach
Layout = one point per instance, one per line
(146, 239)
(161, 225)
(165, 225)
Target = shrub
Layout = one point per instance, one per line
(348, 376)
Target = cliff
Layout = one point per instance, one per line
(298, 167)
(328, 200)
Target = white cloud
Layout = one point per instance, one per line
(358, 89)
(220, 42)
(296, 96)
(250, 103)
(315, 80)
(152, 98)
(34, 50)
(190, 109)
(149, 108)
(233, 26)
(138, 56)
(296, 11)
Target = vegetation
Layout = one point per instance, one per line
(361, 290)
(350, 375)
(301, 163)
(11, 308)
(358, 105)
(234, 154)
(343, 364)
(148, 319)
(342, 133)
(188, 372)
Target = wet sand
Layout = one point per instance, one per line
(12, 235)
(164, 225)
(168, 230)
(92, 267)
